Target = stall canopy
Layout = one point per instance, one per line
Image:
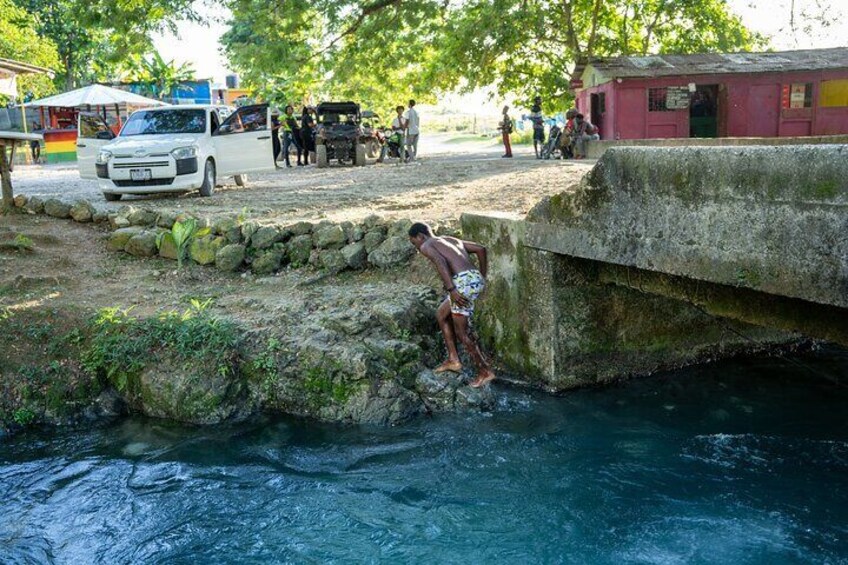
(9, 69)
(95, 95)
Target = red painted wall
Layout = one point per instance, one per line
(753, 107)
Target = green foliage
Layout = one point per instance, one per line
(321, 385)
(23, 416)
(183, 232)
(19, 40)
(381, 52)
(94, 36)
(122, 345)
(158, 77)
(19, 243)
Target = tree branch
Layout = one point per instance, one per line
(367, 11)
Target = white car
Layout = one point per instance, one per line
(175, 149)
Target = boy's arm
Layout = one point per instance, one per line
(480, 252)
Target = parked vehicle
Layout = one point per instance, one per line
(371, 124)
(339, 135)
(175, 149)
(393, 145)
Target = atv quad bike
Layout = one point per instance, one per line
(340, 136)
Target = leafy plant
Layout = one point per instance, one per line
(182, 232)
(23, 416)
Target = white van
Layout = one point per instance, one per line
(175, 149)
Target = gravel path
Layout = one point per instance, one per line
(447, 180)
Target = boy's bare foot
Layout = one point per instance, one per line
(483, 378)
(449, 366)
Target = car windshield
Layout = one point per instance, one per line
(152, 122)
(328, 119)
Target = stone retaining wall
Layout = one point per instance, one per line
(235, 244)
(596, 149)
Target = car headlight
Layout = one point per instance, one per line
(184, 152)
(103, 157)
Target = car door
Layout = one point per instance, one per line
(243, 142)
(92, 134)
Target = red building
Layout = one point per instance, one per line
(789, 93)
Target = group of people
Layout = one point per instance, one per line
(298, 132)
(406, 123)
(578, 131)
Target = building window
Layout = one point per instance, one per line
(834, 93)
(602, 103)
(798, 95)
(656, 100)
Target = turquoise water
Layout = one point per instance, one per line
(738, 462)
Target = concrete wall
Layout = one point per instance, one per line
(771, 219)
(596, 149)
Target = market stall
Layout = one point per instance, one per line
(60, 114)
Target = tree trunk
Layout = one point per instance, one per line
(6, 179)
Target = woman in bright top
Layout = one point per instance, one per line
(290, 133)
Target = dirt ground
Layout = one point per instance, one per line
(445, 182)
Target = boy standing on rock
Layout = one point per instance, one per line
(464, 284)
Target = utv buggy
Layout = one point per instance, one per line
(340, 135)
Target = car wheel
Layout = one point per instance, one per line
(241, 180)
(111, 196)
(359, 158)
(373, 149)
(321, 156)
(208, 186)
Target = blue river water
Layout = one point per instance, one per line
(744, 461)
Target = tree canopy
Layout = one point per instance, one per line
(93, 37)
(383, 51)
(19, 40)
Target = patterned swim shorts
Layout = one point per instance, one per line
(469, 284)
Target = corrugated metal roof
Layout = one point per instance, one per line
(22, 68)
(718, 63)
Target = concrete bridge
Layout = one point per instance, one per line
(663, 257)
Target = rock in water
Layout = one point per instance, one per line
(230, 257)
(57, 208)
(449, 392)
(393, 252)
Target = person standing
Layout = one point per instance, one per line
(35, 146)
(276, 130)
(464, 283)
(291, 136)
(538, 121)
(506, 126)
(307, 133)
(412, 131)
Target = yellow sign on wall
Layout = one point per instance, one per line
(834, 93)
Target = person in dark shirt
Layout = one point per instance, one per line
(538, 121)
(307, 133)
(290, 134)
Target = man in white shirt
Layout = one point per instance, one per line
(412, 131)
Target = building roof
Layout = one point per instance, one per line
(95, 95)
(651, 66)
(17, 67)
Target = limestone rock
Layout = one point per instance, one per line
(230, 257)
(34, 205)
(57, 208)
(372, 222)
(373, 239)
(118, 239)
(142, 244)
(390, 404)
(299, 249)
(329, 237)
(100, 217)
(248, 229)
(202, 250)
(400, 228)
(332, 260)
(20, 200)
(145, 218)
(396, 250)
(166, 219)
(300, 228)
(230, 229)
(116, 221)
(265, 237)
(167, 246)
(449, 392)
(267, 262)
(355, 255)
(82, 211)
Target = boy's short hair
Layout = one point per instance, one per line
(412, 102)
(398, 108)
(420, 228)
